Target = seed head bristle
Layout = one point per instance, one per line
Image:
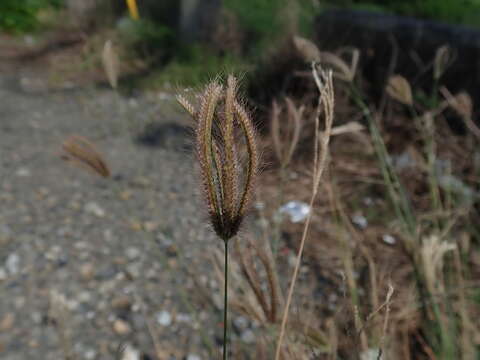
(252, 165)
(186, 105)
(205, 147)
(230, 164)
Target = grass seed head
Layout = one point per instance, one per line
(110, 64)
(399, 89)
(227, 183)
(444, 57)
(81, 152)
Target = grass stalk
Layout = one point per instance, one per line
(228, 183)
(225, 303)
(324, 83)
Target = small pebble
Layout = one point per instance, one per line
(133, 253)
(389, 239)
(23, 172)
(7, 322)
(121, 327)
(13, 263)
(164, 318)
(121, 302)
(193, 357)
(248, 336)
(90, 354)
(240, 322)
(360, 221)
(94, 209)
(183, 318)
(87, 271)
(3, 274)
(130, 353)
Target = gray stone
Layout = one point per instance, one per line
(95, 209)
(164, 318)
(193, 357)
(248, 336)
(12, 264)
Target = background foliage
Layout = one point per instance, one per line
(22, 15)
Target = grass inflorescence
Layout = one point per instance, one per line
(228, 186)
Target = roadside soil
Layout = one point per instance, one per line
(88, 265)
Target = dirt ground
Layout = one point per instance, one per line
(88, 265)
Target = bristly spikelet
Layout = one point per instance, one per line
(227, 184)
(81, 152)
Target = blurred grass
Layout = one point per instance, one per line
(194, 65)
(272, 19)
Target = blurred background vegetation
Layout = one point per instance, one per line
(248, 28)
(23, 16)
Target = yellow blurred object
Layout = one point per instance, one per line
(133, 9)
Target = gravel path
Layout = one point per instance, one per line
(85, 261)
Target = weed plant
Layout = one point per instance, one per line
(228, 185)
(429, 241)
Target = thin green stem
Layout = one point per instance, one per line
(225, 303)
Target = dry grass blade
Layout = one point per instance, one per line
(110, 64)
(264, 254)
(324, 82)
(81, 152)
(295, 118)
(245, 300)
(385, 320)
(432, 254)
(444, 56)
(286, 133)
(276, 299)
(246, 264)
(351, 127)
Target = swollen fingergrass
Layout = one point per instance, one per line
(228, 183)
(228, 186)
